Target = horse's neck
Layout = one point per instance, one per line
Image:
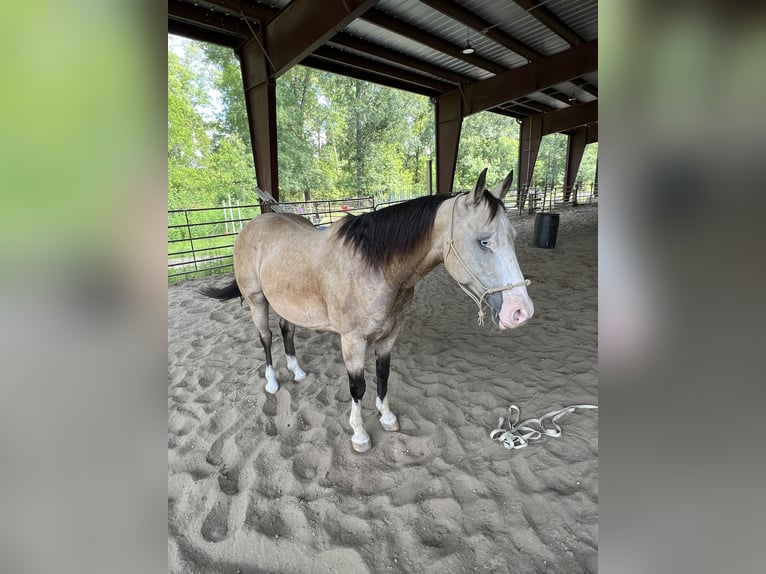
(405, 271)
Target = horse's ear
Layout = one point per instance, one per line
(478, 189)
(502, 188)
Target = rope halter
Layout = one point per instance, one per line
(487, 290)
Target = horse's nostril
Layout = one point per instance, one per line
(519, 316)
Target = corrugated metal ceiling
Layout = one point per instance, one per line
(424, 39)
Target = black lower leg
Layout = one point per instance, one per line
(288, 331)
(356, 386)
(382, 369)
(266, 342)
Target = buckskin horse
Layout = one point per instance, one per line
(357, 278)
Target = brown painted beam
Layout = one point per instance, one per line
(366, 47)
(387, 70)
(361, 74)
(520, 109)
(465, 16)
(514, 112)
(414, 33)
(261, 103)
(576, 143)
(449, 122)
(251, 10)
(557, 95)
(592, 133)
(195, 32)
(304, 25)
(586, 86)
(569, 118)
(530, 136)
(537, 10)
(538, 107)
(208, 19)
(512, 84)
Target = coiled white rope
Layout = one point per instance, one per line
(519, 434)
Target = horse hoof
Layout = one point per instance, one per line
(390, 427)
(300, 376)
(272, 387)
(361, 446)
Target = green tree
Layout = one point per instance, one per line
(550, 168)
(587, 171)
(188, 140)
(307, 169)
(486, 140)
(226, 77)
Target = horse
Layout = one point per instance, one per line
(357, 277)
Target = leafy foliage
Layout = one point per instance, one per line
(337, 136)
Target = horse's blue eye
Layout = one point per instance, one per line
(484, 243)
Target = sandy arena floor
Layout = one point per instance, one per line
(269, 483)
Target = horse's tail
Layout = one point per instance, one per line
(223, 293)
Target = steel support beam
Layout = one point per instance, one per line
(576, 143)
(180, 28)
(359, 45)
(543, 73)
(535, 127)
(536, 9)
(585, 85)
(578, 139)
(261, 103)
(208, 19)
(304, 25)
(467, 17)
(570, 118)
(449, 121)
(289, 37)
(402, 28)
(251, 10)
(367, 64)
(531, 134)
(362, 74)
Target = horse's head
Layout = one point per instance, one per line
(480, 254)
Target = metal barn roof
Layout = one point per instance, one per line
(417, 45)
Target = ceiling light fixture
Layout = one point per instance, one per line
(468, 49)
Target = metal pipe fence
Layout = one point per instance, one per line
(200, 239)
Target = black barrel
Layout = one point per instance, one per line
(546, 229)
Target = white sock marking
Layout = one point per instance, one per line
(272, 386)
(292, 364)
(357, 424)
(387, 417)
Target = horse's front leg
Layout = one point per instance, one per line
(388, 419)
(354, 349)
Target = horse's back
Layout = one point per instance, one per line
(285, 222)
(273, 237)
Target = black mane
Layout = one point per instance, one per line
(397, 230)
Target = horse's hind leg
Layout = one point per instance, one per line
(259, 311)
(288, 332)
(354, 349)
